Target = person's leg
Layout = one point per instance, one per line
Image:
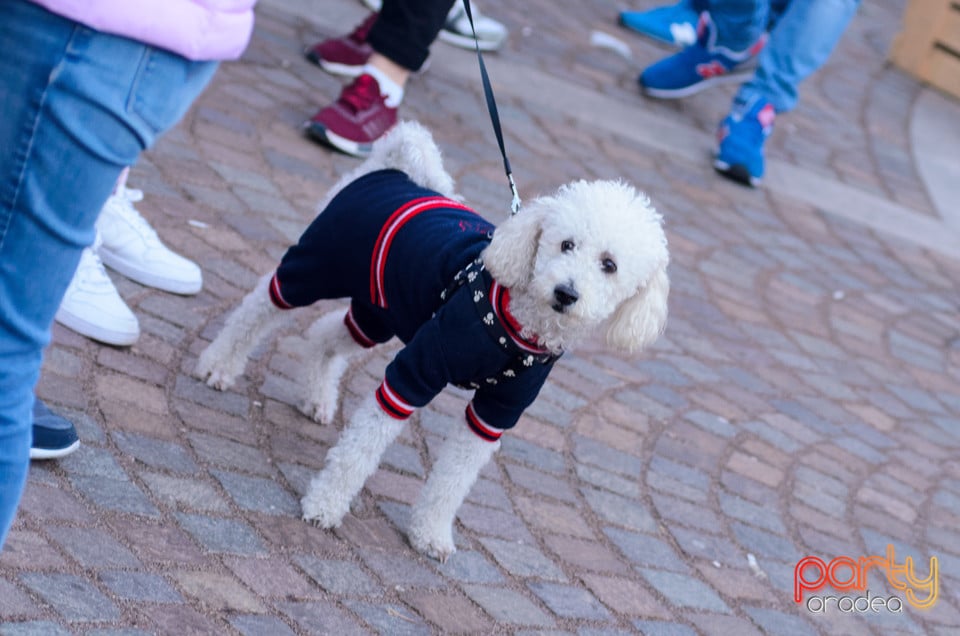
(730, 33)
(367, 108)
(79, 106)
(802, 40)
(800, 43)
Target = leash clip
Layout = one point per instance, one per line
(515, 202)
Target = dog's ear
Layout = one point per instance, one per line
(640, 319)
(509, 257)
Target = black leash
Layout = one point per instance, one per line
(494, 115)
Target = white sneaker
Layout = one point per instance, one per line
(92, 307)
(456, 31)
(131, 247)
(490, 34)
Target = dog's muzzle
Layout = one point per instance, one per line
(565, 295)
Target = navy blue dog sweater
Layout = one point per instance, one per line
(395, 248)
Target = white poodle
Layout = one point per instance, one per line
(486, 310)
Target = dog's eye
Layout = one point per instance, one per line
(608, 266)
(567, 246)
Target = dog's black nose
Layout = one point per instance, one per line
(565, 295)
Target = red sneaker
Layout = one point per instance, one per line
(346, 54)
(357, 119)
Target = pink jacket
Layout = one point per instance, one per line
(196, 29)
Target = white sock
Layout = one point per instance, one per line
(392, 91)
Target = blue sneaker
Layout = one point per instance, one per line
(699, 66)
(740, 141)
(53, 436)
(675, 24)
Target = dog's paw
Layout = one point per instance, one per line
(323, 512)
(437, 548)
(434, 540)
(319, 410)
(219, 374)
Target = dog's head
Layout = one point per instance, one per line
(592, 253)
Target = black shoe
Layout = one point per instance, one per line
(53, 436)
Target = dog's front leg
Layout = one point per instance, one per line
(454, 472)
(225, 358)
(355, 457)
(331, 348)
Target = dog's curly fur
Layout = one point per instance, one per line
(601, 239)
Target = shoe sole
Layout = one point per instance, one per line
(334, 68)
(353, 148)
(95, 332)
(467, 41)
(693, 89)
(53, 453)
(736, 172)
(183, 288)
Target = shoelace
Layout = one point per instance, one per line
(127, 197)
(90, 272)
(359, 35)
(362, 94)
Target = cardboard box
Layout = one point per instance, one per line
(928, 46)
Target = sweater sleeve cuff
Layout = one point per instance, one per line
(394, 405)
(481, 428)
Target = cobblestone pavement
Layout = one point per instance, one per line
(803, 401)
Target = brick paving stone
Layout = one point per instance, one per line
(523, 560)
(568, 601)
(608, 481)
(219, 591)
(685, 591)
(71, 596)
(156, 453)
(405, 459)
(533, 455)
(340, 578)
(660, 628)
(229, 454)
(92, 548)
(450, 613)
(470, 567)
(620, 510)
(178, 619)
(507, 607)
(718, 625)
(389, 619)
(625, 596)
(643, 549)
(218, 534)
(776, 622)
(139, 586)
(187, 492)
(51, 503)
(400, 570)
(258, 494)
(271, 578)
(14, 603)
(586, 555)
(253, 625)
(590, 451)
(540, 483)
(322, 617)
(33, 628)
(115, 494)
(158, 543)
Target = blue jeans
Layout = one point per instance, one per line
(78, 107)
(803, 34)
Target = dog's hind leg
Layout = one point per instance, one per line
(349, 464)
(225, 358)
(454, 472)
(331, 350)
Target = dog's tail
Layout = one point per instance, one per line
(408, 147)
